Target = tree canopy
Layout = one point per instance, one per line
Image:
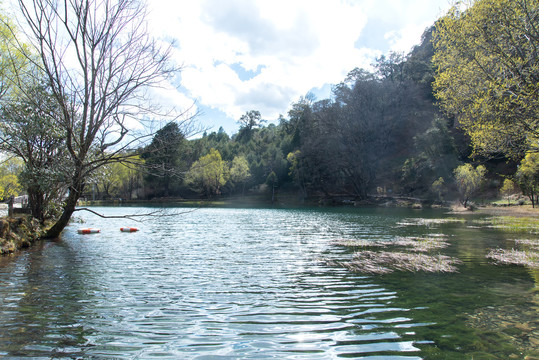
(488, 73)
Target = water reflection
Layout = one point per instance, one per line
(40, 305)
(235, 283)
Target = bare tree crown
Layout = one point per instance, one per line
(100, 60)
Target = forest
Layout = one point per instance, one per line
(455, 119)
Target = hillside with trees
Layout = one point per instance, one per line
(380, 133)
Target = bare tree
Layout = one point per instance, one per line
(100, 62)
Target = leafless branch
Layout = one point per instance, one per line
(158, 213)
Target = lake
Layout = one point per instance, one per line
(218, 283)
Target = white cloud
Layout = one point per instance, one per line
(290, 46)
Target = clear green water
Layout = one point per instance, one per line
(252, 284)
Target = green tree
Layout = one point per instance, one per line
(239, 172)
(435, 157)
(374, 121)
(119, 180)
(438, 187)
(507, 189)
(15, 61)
(28, 131)
(488, 73)
(468, 180)
(527, 176)
(9, 181)
(248, 122)
(164, 158)
(296, 170)
(272, 181)
(208, 174)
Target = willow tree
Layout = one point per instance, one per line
(208, 174)
(468, 180)
(99, 62)
(487, 62)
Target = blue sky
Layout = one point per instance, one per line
(241, 55)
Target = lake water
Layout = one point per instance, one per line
(256, 284)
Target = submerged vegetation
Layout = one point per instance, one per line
(512, 223)
(420, 253)
(428, 222)
(515, 257)
(414, 257)
(385, 261)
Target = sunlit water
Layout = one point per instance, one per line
(252, 284)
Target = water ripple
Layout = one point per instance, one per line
(212, 284)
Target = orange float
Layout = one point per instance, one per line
(128, 229)
(88, 231)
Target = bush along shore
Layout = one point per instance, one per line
(19, 232)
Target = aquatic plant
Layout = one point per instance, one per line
(385, 261)
(428, 222)
(529, 243)
(511, 223)
(414, 243)
(421, 244)
(360, 243)
(515, 257)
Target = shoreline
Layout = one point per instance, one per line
(514, 211)
(22, 231)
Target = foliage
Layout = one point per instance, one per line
(487, 73)
(435, 156)
(438, 187)
(9, 182)
(239, 171)
(296, 170)
(249, 121)
(15, 59)
(119, 180)
(163, 159)
(208, 174)
(527, 176)
(28, 131)
(468, 180)
(507, 189)
(103, 84)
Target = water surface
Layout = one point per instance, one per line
(255, 284)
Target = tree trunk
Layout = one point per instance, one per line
(37, 203)
(10, 206)
(69, 208)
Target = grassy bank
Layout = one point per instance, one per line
(19, 232)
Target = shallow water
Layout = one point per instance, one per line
(255, 284)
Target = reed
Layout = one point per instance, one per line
(383, 262)
(515, 257)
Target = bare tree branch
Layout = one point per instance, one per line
(159, 213)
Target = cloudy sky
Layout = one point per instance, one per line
(241, 55)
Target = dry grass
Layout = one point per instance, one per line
(414, 243)
(360, 243)
(384, 261)
(428, 222)
(515, 257)
(422, 244)
(534, 244)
